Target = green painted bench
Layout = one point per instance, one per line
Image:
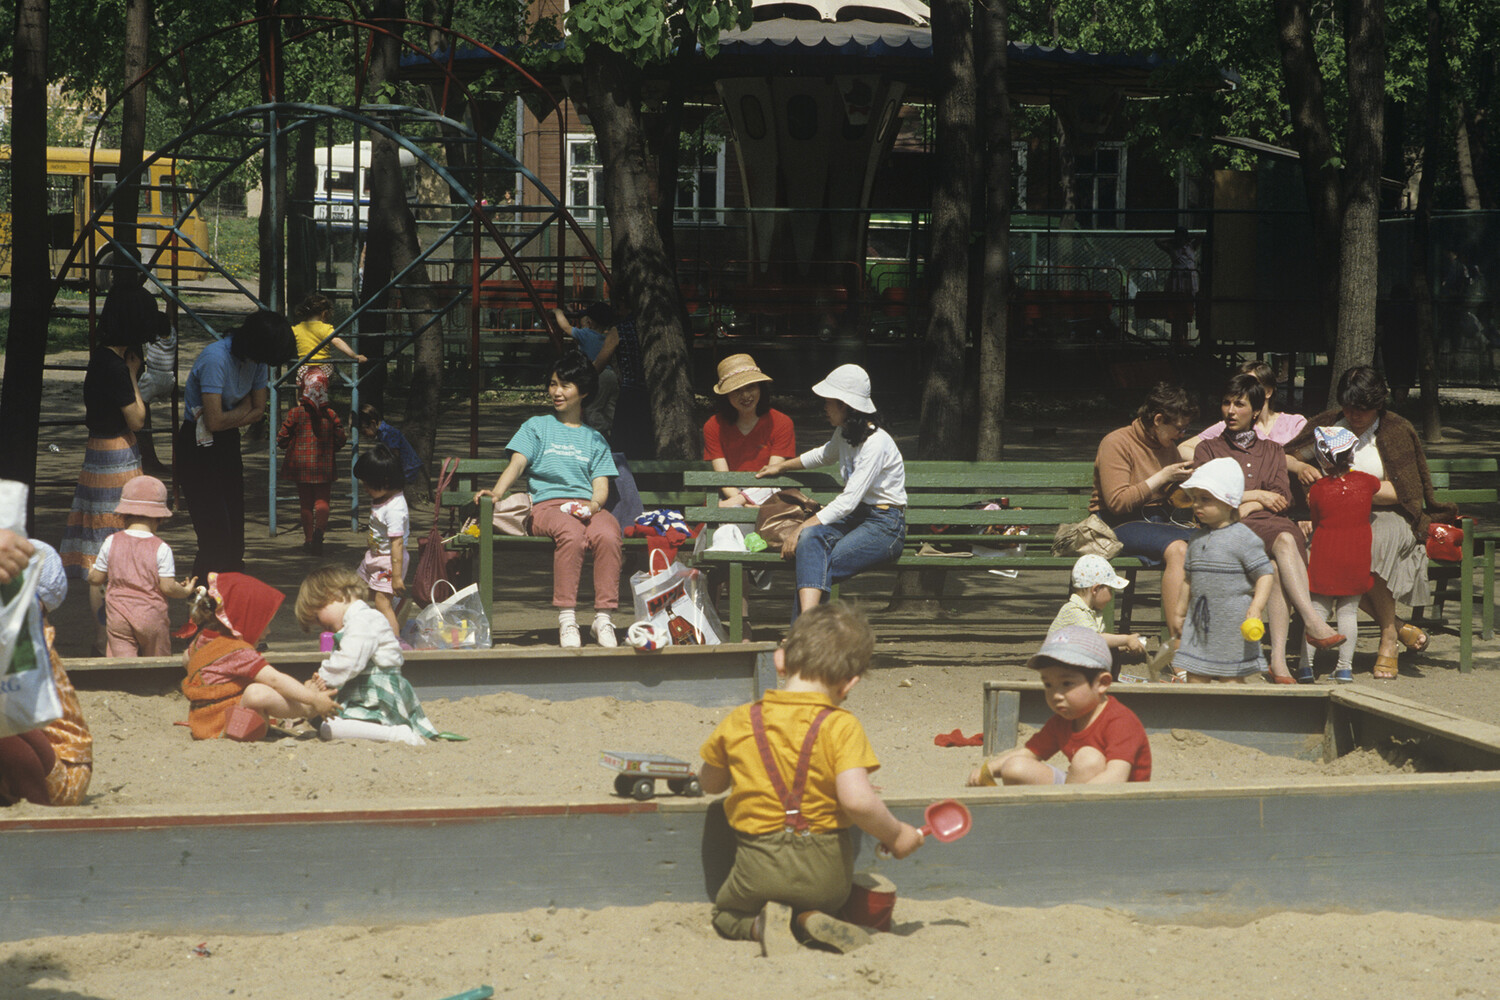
(1042, 495)
(659, 483)
(1456, 580)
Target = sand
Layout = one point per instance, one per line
(926, 681)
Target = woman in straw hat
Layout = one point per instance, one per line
(865, 525)
(745, 434)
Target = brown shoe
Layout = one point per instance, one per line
(830, 932)
(773, 929)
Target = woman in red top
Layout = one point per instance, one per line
(745, 434)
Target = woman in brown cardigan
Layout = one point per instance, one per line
(1134, 470)
(1390, 450)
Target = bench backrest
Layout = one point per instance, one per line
(658, 480)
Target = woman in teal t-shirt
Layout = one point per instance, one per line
(568, 465)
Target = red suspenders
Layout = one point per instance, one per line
(791, 800)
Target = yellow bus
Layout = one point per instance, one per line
(73, 193)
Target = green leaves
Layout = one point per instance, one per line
(647, 31)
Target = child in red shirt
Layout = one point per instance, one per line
(1338, 571)
(311, 434)
(1102, 739)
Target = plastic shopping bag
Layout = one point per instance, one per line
(28, 694)
(459, 622)
(673, 600)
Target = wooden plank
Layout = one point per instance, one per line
(1416, 845)
(709, 676)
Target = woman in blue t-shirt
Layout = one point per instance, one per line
(226, 390)
(568, 465)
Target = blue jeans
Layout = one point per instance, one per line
(829, 553)
(1149, 538)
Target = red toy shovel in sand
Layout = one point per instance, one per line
(947, 820)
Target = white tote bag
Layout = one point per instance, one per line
(28, 694)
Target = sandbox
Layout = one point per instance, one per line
(1422, 842)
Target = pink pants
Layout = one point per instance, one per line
(314, 498)
(601, 533)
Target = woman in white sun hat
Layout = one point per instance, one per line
(864, 525)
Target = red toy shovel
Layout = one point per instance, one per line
(947, 820)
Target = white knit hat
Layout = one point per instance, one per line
(850, 385)
(1222, 478)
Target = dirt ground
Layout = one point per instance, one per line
(926, 680)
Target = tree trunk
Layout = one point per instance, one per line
(942, 419)
(394, 230)
(1311, 136)
(272, 224)
(643, 279)
(1359, 259)
(301, 237)
(1421, 251)
(31, 265)
(132, 125)
(994, 98)
(1465, 151)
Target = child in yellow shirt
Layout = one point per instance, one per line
(797, 767)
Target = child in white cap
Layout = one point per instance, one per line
(1229, 580)
(1094, 584)
(138, 574)
(1338, 571)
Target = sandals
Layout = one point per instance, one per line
(1281, 679)
(1386, 668)
(1337, 639)
(1412, 637)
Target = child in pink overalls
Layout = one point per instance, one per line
(137, 572)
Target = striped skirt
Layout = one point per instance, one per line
(108, 464)
(382, 695)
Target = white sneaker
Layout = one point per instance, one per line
(604, 633)
(567, 635)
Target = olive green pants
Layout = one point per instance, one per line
(806, 873)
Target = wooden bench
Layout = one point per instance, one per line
(659, 484)
(1042, 495)
(1045, 494)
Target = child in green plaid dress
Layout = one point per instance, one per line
(365, 666)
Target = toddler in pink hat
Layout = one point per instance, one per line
(138, 574)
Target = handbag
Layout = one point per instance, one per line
(513, 514)
(781, 513)
(1091, 536)
(28, 694)
(673, 601)
(434, 562)
(458, 621)
(1444, 542)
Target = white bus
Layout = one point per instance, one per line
(333, 193)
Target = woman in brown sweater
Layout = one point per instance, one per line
(1390, 450)
(1135, 468)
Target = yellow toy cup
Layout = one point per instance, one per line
(1252, 629)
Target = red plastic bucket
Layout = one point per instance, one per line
(871, 903)
(245, 725)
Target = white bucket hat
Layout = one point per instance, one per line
(850, 385)
(1092, 570)
(1222, 478)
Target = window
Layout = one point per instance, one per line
(584, 175)
(700, 185)
(1099, 184)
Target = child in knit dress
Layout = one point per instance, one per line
(1338, 571)
(311, 434)
(138, 574)
(364, 669)
(1229, 580)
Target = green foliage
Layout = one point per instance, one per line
(647, 31)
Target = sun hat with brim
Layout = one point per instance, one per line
(144, 496)
(1092, 570)
(1221, 478)
(850, 385)
(736, 372)
(1074, 646)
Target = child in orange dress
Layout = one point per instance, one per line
(312, 435)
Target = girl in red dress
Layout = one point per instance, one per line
(1338, 571)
